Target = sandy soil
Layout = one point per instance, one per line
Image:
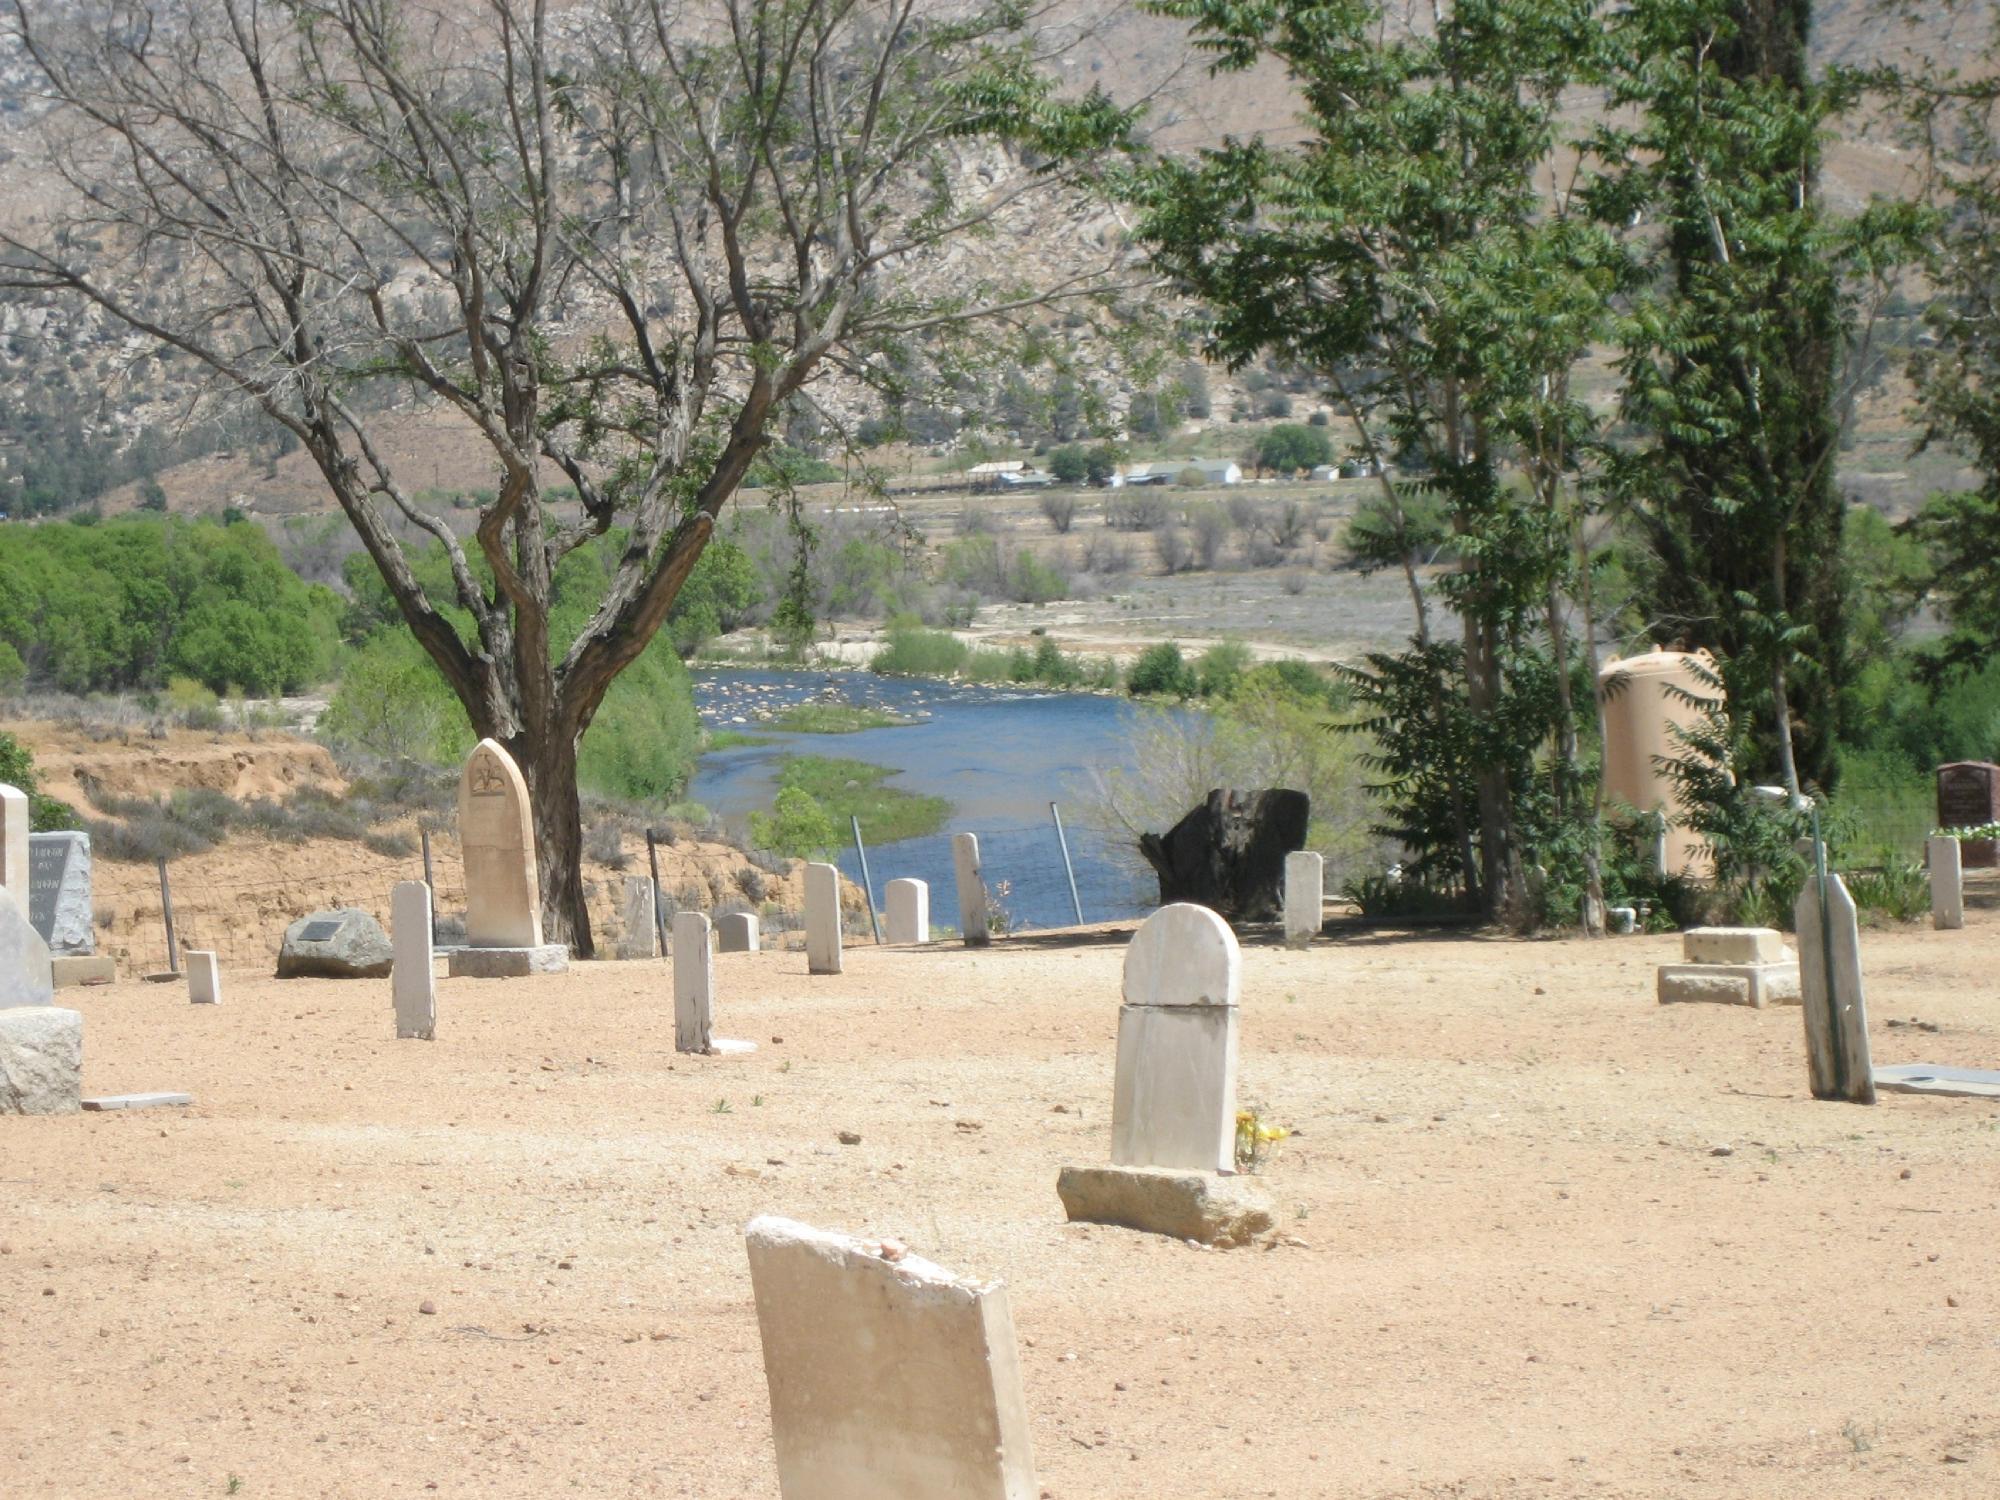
(1525, 1269)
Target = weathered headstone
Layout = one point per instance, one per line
(1836, 1010)
(890, 1377)
(641, 938)
(736, 932)
(1947, 883)
(59, 892)
(1174, 1100)
(503, 904)
(975, 923)
(344, 943)
(413, 981)
(1229, 853)
(1968, 796)
(822, 919)
(15, 878)
(694, 983)
(25, 977)
(1305, 896)
(41, 1060)
(909, 904)
(1731, 966)
(204, 977)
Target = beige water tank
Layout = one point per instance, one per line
(1645, 698)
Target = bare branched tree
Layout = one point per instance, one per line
(614, 243)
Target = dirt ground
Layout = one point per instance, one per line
(1528, 1268)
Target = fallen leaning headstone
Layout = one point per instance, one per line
(891, 1378)
(1199, 1206)
(136, 1101)
(344, 943)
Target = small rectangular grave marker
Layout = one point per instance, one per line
(890, 1377)
(909, 911)
(412, 979)
(694, 983)
(1836, 1011)
(204, 977)
(975, 922)
(1305, 896)
(736, 932)
(640, 914)
(1947, 883)
(822, 919)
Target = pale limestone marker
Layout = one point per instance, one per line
(1731, 966)
(1305, 896)
(1836, 1009)
(641, 938)
(204, 977)
(736, 932)
(412, 979)
(974, 919)
(909, 903)
(891, 1378)
(1947, 884)
(822, 919)
(694, 983)
(41, 1060)
(503, 904)
(26, 976)
(15, 878)
(1174, 1100)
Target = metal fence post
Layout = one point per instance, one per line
(167, 911)
(867, 885)
(653, 864)
(1068, 869)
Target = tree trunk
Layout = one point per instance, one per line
(1505, 897)
(548, 760)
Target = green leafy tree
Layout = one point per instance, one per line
(1161, 671)
(797, 827)
(366, 220)
(1291, 446)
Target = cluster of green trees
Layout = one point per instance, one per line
(91, 606)
(1449, 243)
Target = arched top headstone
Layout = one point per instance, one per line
(1183, 955)
(503, 904)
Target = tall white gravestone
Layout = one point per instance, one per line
(822, 919)
(641, 938)
(1174, 1100)
(503, 902)
(694, 983)
(1947, 884)
(14, 823)
(974, 922)
(909, 903)
(1836, 1010)
(891, 1378)
(1305, 896)
(412, 979)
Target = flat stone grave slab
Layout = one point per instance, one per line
(1729, 984)
(1200, 1206)
(69, 970)
(1935, 1078)
(506, 963)
(136, 1101)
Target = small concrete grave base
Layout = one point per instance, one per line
(137, 1101)
(1305, 896)
(346, 943)
(506, 963)
(909, 920)
(641, 938)
(413, 982)
(1931, 1078)
(975, 918)
(41, 1060)
(204, 977)
(890, 1377)
(736, 932)
(1729, 984)
(1199, 1206)
(71, 970)
(26, 977)
(1947, 884)
(822, 919)
(1731, 966)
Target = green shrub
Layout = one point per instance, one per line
(797, 827)
(393, 703)
(913, 651)
(1161, 671)
(191, 705)
(1293, 445)
(1221, 669)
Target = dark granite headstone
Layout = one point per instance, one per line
(59, 891)
(1229, 853)
(1968, 796)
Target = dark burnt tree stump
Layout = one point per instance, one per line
(1229, 853)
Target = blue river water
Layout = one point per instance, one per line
(999, 755)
